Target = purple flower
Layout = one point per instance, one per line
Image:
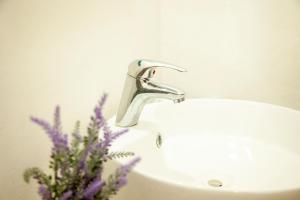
(107, 135)
(59, 140)
(82, 161)
(102, 101)
(83, 171)
(57, 120)
(125, 169)
(44, 192)
(119, 133)
(67, 195)
(123, 172)
(93, 189)
(110, 136)
(45, 125)
(122, 181)
(98, 111)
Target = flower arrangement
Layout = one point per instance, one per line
(78, 165)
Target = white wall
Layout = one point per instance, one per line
(62, 52)
(70, 51)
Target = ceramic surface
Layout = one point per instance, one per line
(214, 149)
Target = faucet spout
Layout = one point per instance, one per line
(179, 100)
(158, 90)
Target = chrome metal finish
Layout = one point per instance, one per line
(139, 89)
(145, 68)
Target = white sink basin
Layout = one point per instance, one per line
(214, 150)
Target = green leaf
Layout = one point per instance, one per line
(37, 174)
(121, 154)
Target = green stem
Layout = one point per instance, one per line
(55, 179)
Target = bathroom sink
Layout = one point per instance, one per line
(214, 149)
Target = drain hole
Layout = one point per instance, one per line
(215, 183)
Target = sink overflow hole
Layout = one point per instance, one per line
(215, 183)
(158, 140)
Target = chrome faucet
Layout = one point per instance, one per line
(139, 89)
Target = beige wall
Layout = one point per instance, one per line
(69, 52)
(65, 52)
(246, 49)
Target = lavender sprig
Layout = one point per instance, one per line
(123, 172)
(67, 195)
(59, 140)
(44, 192)
(93, 189)
(57, 119)
(78, 167)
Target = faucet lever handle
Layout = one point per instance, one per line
(146, 68)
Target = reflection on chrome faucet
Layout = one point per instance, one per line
(139, 89)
